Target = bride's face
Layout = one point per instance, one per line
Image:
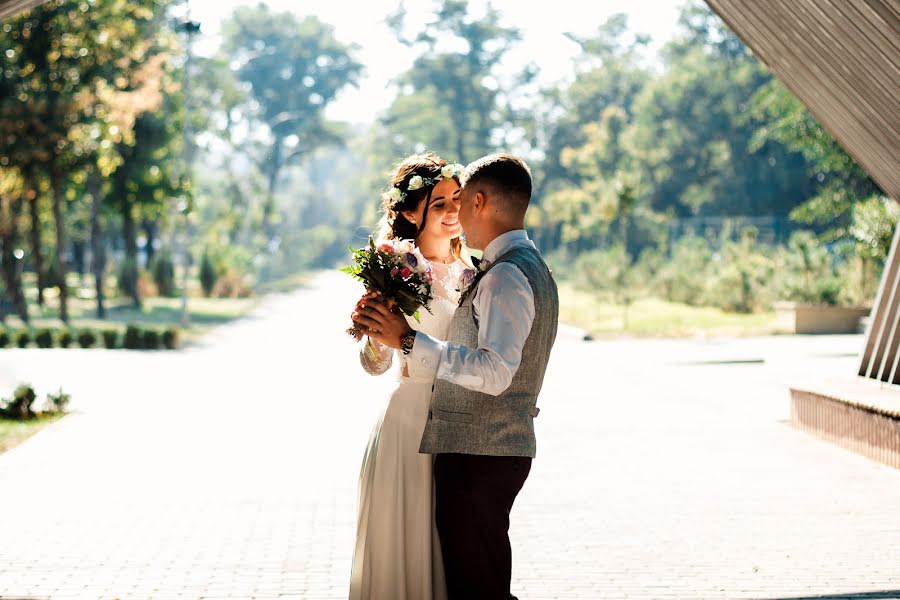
(442, 220)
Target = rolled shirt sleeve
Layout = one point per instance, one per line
(504, 309)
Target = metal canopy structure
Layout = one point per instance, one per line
(841, 58)
(9, 8)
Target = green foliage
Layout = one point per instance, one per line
(64, 337)
(127, 280)
(279, 55)
(453, 99)
(685, 278)
(44, 338)
(163, 270)
(809, 271)
(23, 338)
(742, 274)
(170, 338)
(608, 272)
(110, 339)
(73, 78)
(87, 338)
(231, 284)
(20, 406)
(150, 339)
(133, 339)
(4, 338)
(58, 402)
(872, 225)
(208, 274)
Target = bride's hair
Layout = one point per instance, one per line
(394, 225)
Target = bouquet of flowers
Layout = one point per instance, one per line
(397, 270)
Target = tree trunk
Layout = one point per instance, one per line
(98, 247)
(460, 143)
(269, 207)
(56, 188)
(149, 228)
(79, 248)
(37, 255)
(12, 266)
(130, 238)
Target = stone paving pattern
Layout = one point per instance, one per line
(665, 469)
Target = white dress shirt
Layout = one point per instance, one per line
(503, 307)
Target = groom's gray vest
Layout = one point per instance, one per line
(468, 422)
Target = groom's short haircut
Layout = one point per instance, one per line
(502, 176)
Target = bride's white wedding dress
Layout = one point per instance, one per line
(398, 554)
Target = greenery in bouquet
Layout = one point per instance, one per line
(398, 271)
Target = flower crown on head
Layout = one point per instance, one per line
(416, 182)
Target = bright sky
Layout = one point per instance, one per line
(543, 25)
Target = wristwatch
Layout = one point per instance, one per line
(407, 341)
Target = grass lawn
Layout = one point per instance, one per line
(205, 313)
(285, 284)
(13, 433)
(652, 317)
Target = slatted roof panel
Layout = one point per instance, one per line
(841, 58)
(10, 8)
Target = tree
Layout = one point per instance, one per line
(453, 102)
(294, 70)
(610, 73)
(840, 183)
(70, 61)
(12, 196)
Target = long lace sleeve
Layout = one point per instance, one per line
(374, 358)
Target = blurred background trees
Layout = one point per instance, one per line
(691, 176)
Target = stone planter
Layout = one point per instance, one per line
(809, 318)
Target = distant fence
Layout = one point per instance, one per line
(774, 230)
(770, 231)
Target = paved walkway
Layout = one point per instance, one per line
(229, 471)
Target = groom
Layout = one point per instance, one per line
(489, 374)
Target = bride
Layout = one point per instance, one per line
(397, 554)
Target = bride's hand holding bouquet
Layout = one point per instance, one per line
(396, 273)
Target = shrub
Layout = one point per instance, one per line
(809, 271)
(87, 338)
(163, 271)
(133, 338)
(170, 338)
(742, 276)
(44, 338)
(23, 338)
(20, 406)
(64, 338)
(606, 271)
(4, 338)
(110, 339)
(146, 286)
(208, 274)
(150, 339)
(685, 277)
(127, 279)
(231, 285)
(57, 403)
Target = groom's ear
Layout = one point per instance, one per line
(478, 202)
